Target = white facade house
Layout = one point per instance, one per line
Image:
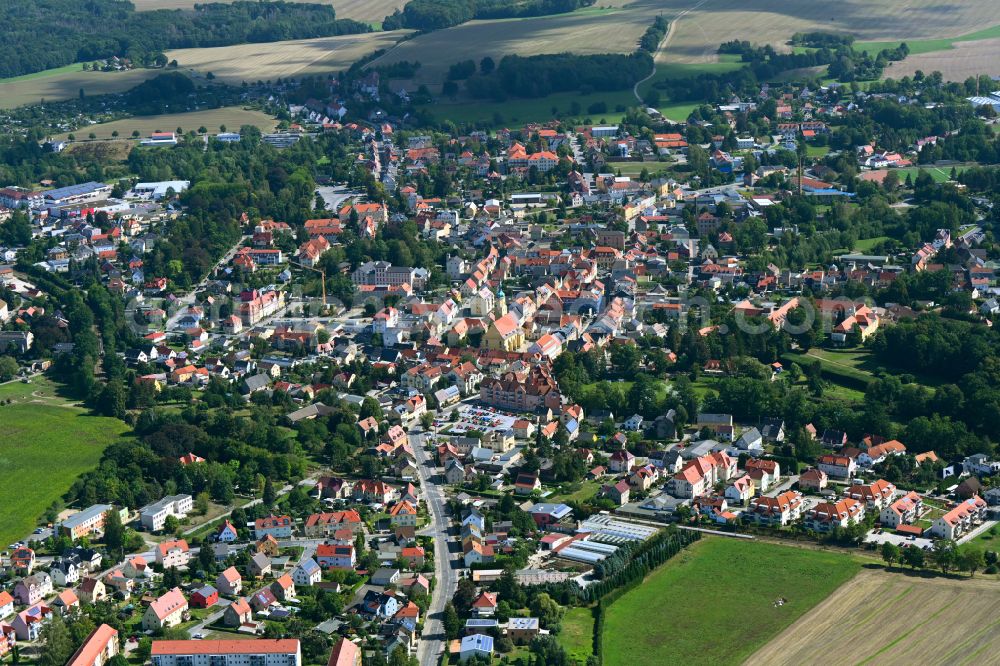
(155, 515)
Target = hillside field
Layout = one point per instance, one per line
(890, 618)
(262, 62)
(47, 441)
(232, 117)
(714, 602)
(66, 82)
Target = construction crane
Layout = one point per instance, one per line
(322, 275)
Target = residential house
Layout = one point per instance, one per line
(307, 573)
(226, 533)
(28, 623)
(700, 475)
(825, 516)
(32, 589)
(903, 511)
(92, 590)
(172, 554)
(259, 652)
(98, 649)
(279, 527)
(740, 490)
(283, 588)
(237, 613)
(875, 496)
(326, 524)
(837, 466)
(260, 565)
(204, 597)
(618, 492)
(776, 511)
(813, 479)
(167, 611)
(961, 519)
(229, 582)
(478, 646)
(337, 556)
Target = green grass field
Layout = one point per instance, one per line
(939, 174)
(46, 443)
(517, 112)
(866, 244)
(918, 46)
(577, 635)
(714, 602)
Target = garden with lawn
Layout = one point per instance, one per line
(719, 601)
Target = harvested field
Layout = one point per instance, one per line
(708, 23)
(255, 62)
(958, 63)
(66, 82)
(371, 11)
(232, 117)
(586, 32)
(894, 618)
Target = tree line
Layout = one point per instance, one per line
(45, 34)
(437, 14)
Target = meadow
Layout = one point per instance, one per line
(885, 617)
(47, 442)
(263, 62)
(577, 635)
(232, 117)
(65, 83)
(714, 603)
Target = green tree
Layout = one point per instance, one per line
(114, 532)
(944, 556)
(452, 623)
(113, 398)
(57, 645)
(890, 553)
(170, 524)
(971, 560)
(8, 368)
(201, 503)
(270, 495)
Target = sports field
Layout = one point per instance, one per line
(889, 618)
(715, 602)
(371, 11)
(45, 443)
(66, 82)
(232, 117)
(263, 62)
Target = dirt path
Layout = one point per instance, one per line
(663, 44)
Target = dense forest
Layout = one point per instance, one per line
(28, 44)
(438, 14)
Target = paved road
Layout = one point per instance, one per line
(432, 642)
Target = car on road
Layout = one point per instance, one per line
(199, 636)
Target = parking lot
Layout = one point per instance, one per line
(898, 539)
(481, 419)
